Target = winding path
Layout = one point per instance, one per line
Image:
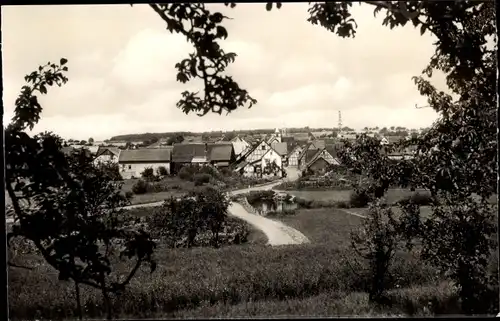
(277, 233)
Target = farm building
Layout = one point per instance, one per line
(322, 159)
(255, 162)
(107, 154)
(218, 154)
(293, 156)
(133, 162)
(317, 160)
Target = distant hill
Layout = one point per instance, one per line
(149, 136)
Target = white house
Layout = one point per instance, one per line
(133, 162)
(107, 154)
(240, 146)
(256, 160)
(293, 157)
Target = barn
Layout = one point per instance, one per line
(133, 162)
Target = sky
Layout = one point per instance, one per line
(122, 78)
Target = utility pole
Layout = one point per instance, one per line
(340, 121)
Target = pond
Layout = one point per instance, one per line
(266, 206)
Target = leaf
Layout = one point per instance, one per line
(63, 61)
(278, 5)
(216, 17)
(422, 29)
(182, 77)
(65, 68)
(269, 6)
(43, 89)
(221, 32)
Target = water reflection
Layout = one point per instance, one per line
(266, 206)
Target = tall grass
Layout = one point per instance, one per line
(186, 278)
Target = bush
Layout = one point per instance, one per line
(360, 198)
(140, 187)
(201, 178)
(148, 174)
(129, 194)
(162, 171)
(417, 199)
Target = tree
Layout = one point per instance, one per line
(177, 139)
(91, 140)
(83, 142)
(456, 157)
(148, 174)
(67, 207)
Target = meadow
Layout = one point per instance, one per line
(317, 279)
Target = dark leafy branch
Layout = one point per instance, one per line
(208, 61)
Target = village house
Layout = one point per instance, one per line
(240, 145)
(257, 159)
(293, 156)
(107, 154)
(217, 154)
(133, 162)
(318, 159)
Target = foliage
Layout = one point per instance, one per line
(112, 170)
(418, 199)
(201, 178)
(208, 62)
(162, 171)
(140, 187)
(271, 168)
(149, 174)
(261, 195)
(182, 221)
(360, 198)
(377, 242)
(67, 207)
(176, 139)
(462, 253)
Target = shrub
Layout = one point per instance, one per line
(187, 172)
(111, 170)
(140, 187)
(418, 199)
(129, 194)
(148, 174)
(201, 178)
(162, 171)
(360, 198)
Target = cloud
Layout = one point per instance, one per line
(123, 79)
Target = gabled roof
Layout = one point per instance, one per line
(332, 149)
(220, 152)
(184, 153)
(114, 150)
(311, 154)
(292, 150)
(280, 148)
(318, 143)
(145, 155)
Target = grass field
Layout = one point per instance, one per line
(392, 195)
(314, 279)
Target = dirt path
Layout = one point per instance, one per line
(276, 232)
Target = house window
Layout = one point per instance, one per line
(263, 147)
(129, 166)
